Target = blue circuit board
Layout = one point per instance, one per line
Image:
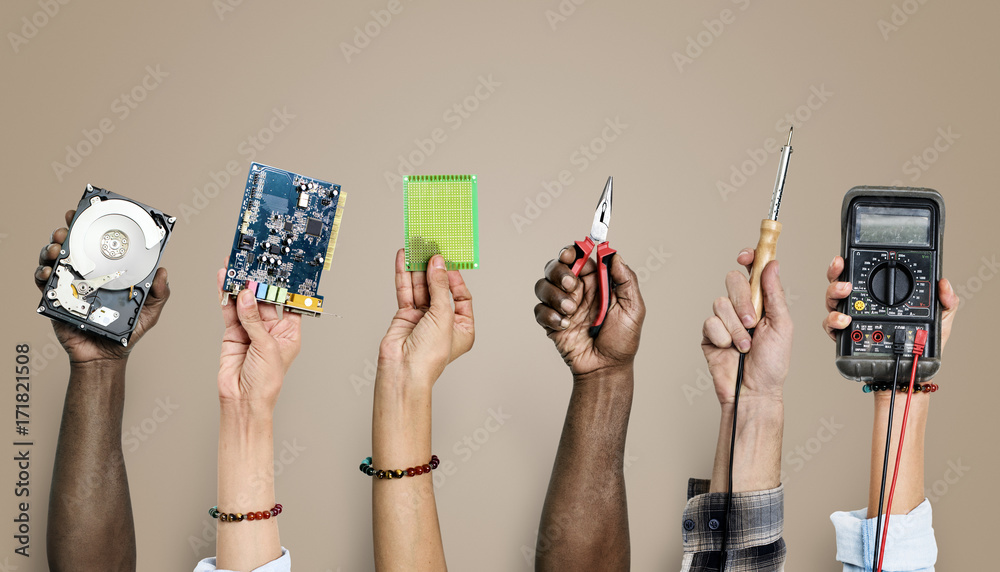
(285, 237)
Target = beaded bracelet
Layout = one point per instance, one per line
(904, 387)
(368, 469)
(238, 517)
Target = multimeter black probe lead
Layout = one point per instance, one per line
(770, 230)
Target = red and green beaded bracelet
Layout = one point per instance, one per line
(368, 469)
(239, 516)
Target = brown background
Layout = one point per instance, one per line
(885, 99)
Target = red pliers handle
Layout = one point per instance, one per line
(604, 253)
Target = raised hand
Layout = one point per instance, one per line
(725, 335)
(427, 333)
(837, 291)
(568, 306)
(85, 348)
(257, 350)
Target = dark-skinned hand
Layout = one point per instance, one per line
(85, 348)
(568, 306)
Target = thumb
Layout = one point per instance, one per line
(437, 286)
(775, 306)
(246, 310)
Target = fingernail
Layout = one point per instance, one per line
(564, 323)
(568, 283)
(777, 268)
(832, 262)
(747, 320)
(743, 345)
(568, 306)
(439, 262)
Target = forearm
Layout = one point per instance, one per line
(246, 484)
(407, 534)
(585, 517)
(910, 483)
(90, 524)
(757, 455)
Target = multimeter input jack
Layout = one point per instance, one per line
(857, 336)
(878, 336)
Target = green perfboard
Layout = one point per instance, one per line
(441, 215)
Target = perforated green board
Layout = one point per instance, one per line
(441, 215)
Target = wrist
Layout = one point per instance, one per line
(246, 420)
(100, 366)
(753, 406)
(395, 384)
(622, 374)
(246, 410)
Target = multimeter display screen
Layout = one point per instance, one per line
(893, 226)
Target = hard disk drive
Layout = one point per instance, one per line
(105, 269)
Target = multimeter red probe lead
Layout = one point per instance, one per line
(918, 350)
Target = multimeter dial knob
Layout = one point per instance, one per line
(890, 283)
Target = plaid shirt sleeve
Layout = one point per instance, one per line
(754, 543)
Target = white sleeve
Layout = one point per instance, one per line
(282, 564)
(911, 547)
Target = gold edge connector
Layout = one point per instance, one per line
(335, 230)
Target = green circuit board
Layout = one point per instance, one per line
(441, 215)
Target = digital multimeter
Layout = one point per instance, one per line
(891, 243)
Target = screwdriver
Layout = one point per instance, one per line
(770, 230)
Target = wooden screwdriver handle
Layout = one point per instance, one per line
(766, 250)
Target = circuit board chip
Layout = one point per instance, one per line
(441, 214)
(285, 237)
